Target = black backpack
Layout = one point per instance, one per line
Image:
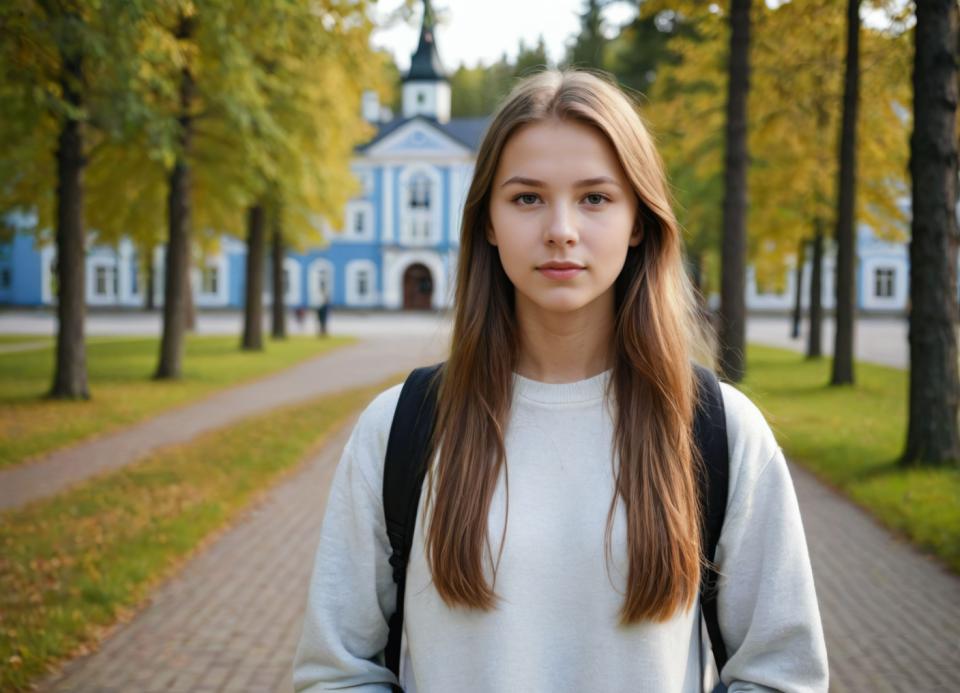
(405, 469)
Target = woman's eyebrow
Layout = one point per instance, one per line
(599, 180)
(520, 180)
(534, 183)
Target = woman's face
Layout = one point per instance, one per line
(562, 217)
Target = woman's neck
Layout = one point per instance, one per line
(564, 347)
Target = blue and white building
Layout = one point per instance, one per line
(398, 242)
(400, 235)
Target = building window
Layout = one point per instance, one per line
(105, 281)
(5, 278)
(210, 280)
(135, 280)
(359, 222)
(420, 192)
(286, 281)
(322, 281)
(421, 98)
(883, 282)
(363, 283)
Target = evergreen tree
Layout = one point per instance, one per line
(589, 46)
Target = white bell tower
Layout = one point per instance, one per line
(426, 89)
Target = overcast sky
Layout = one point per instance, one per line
(481, 30)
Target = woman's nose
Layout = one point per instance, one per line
(560, 226)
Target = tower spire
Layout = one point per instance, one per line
(425, 62)
(426, 88)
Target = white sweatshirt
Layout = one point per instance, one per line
(556, 626)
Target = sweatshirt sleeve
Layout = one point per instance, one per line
(766, 603)
(352, 593)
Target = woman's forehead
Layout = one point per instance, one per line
(559, 151)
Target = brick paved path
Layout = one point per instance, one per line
(368, 362)
(891, 616)
(230, 621)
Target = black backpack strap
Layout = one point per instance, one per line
(403, 473)
(710, 431)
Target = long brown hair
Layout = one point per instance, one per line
(652, 382)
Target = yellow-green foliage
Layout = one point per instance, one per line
(71, 565)
(121, 387)
(795, 104)
(276, 111)
(851, 438)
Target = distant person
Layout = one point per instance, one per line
(300, 313)
(323, 310)
(559, 544)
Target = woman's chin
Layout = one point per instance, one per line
(560, 303)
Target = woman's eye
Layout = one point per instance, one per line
(595, 199)
(526, 199)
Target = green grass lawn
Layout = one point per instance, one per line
(851, 437)
(71, 565)
(24, 338)
(121, 388)
(50, 341)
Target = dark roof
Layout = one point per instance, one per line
(425, 63)
(466, 131)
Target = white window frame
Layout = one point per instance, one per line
(210, 299)
(102, 284)
(109, 265)
(353, 270)
(47, 272)
(292, 296)
(317, 266)
(209, 275)
(359, 222)
(354, 209)
(421, 226)
(868, 277)
(888, 275)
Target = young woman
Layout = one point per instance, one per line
(558, 543)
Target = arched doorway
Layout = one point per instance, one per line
(417, 288)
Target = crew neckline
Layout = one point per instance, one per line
(587, 390)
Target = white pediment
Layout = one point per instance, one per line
(417, 139)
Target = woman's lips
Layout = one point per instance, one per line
(560, 272)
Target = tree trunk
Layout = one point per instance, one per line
(733, 269)
(70, 374)
(253, 305)
(814, 339)
(190, 307)
(798, 290)
(278, 311)
(178, 244)
(151, 280)
(932, 431)
(846, 205)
